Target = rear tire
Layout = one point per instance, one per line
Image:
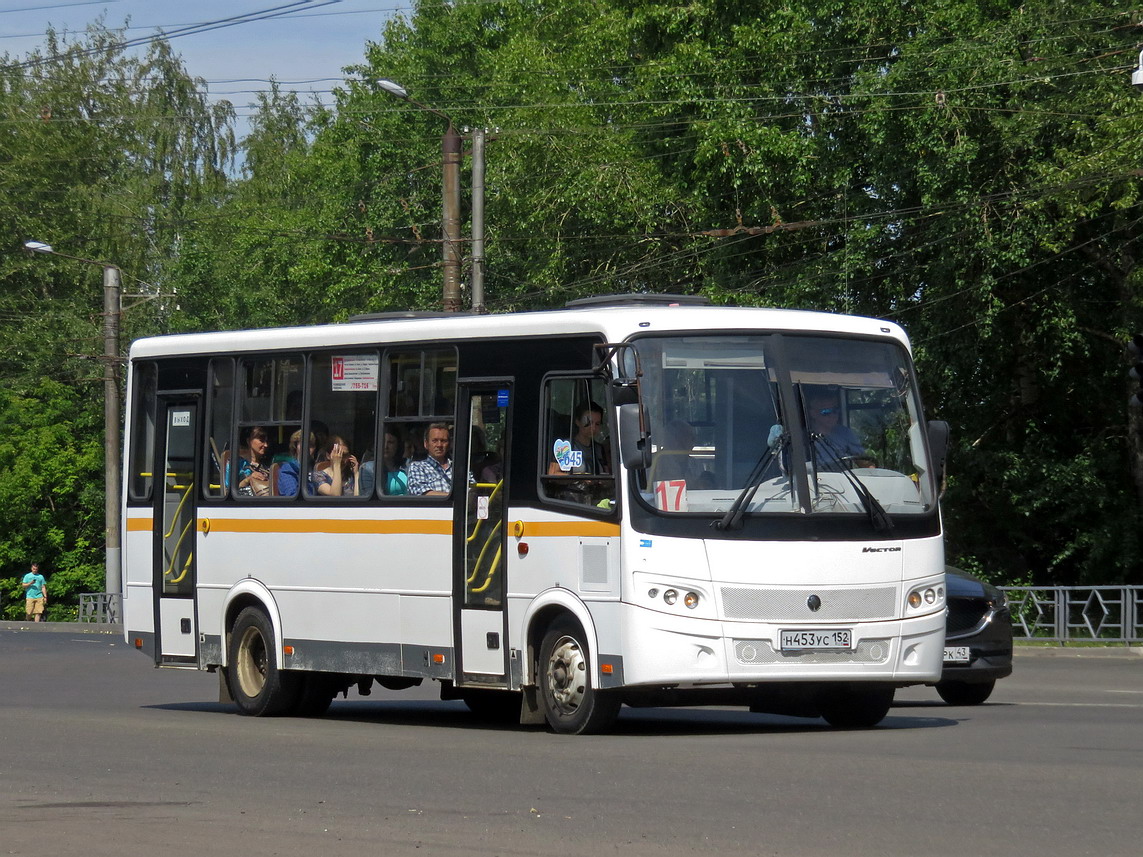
(856, 708)
(572, 705)
(257, 686)
(315, 694)
(963, 693)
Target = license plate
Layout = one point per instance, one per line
(957, 655)
(834, 639)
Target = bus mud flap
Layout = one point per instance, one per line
(531, 712)
(223, 686)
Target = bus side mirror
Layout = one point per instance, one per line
(624, 391)
(634, 445)
(939, 448)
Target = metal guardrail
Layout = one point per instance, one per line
(1063, 614)
(99, 607)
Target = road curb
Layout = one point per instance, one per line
(1077, 651)
(107, 629)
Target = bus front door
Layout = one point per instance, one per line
(480, 562)
(174, 566)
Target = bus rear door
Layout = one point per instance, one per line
(481, 481)
(175, 513)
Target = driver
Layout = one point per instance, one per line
(832, 440)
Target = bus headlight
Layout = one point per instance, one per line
(675, 596)
(925, 596)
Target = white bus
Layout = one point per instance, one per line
(652, 502)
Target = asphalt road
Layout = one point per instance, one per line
(104, 755)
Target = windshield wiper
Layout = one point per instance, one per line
(732, 520)
(878, 517)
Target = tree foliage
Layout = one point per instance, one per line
(101, 155)
(965, 168)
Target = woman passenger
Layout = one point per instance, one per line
(336, 472)
(253, 476)
(396, 480)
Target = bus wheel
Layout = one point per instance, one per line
(856, 708)
(963, 693)
(571, 704)
(257, 685)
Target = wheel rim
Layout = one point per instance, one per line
(251, 664)
(567, 675)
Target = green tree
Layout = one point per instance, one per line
(101, 155)
(998, 141)
(51, 494)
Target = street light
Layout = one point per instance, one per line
(110, 409)
(450, 213)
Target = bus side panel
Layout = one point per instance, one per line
(351, 591)
(569, 554)
(138, 590)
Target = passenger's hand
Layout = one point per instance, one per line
(353, 462)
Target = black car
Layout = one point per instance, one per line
(978, 639)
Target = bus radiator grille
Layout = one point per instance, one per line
(762, 652)
(790, 605)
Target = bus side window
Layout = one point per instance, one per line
(343, 390)
(269, 401)
(577, 459)
(142, 464)
(422, 394)
(220, 419)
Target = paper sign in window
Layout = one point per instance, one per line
(671, 495)
(354, 372)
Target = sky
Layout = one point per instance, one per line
(304, 44)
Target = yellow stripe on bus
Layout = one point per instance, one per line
(327, 525)
(531, 529)
(570, 528)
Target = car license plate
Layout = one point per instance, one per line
(833, 639)
(957, 655)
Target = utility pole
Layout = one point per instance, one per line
(111, 467)
(450, 223)
(450, 197)
(478, 220)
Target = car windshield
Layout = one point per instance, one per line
(755, 424)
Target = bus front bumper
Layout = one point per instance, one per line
(663, 649)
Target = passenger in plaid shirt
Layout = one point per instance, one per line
(432, 475)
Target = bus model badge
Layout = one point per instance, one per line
(814, 603)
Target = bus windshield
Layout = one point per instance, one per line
(762, 424)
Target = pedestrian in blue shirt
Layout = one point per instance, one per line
(35, 594)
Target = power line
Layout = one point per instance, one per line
(187, 30)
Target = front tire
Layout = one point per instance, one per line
(572, 705)
(963, 693)
(257, 685)
(856, 708)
